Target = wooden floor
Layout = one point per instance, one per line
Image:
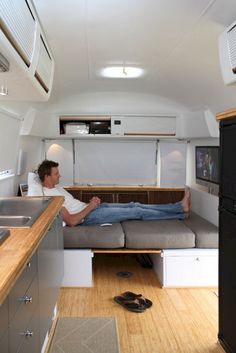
(180, 320)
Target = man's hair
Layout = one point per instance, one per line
(45, 168)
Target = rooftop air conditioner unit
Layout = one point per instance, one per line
(227, 51)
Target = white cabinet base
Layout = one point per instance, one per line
(187, 267)
(77, 268)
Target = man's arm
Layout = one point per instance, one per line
(73, 219)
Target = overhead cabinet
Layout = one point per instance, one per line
(24, 46)
(164, 125)
(144, 125)
(19, 26)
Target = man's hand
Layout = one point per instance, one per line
(94, 202)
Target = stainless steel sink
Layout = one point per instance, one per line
(21, 211)
(15, 221)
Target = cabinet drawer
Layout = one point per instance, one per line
(21, 286)
(191, 271)
(20, 323)
(3, 318)
(4, 343)
(30, 343)
(187, 267)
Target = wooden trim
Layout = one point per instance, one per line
(39, 79)
(147, 134)
(120, 188)
(230, 113)
(126, 251)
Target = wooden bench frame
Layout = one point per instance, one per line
(126, 251)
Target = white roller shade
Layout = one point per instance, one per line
(119, 162)
(173, 164)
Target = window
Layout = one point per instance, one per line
(115, 162)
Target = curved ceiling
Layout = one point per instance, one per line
(175, 42)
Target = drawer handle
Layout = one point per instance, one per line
(26, 299)
(28, 333)
(28, 264)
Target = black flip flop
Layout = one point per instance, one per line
(132, 296)
(131, 305)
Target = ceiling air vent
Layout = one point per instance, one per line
(232, 47)
(227, 53)
(19, 26)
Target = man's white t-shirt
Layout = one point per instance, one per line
(71, 204)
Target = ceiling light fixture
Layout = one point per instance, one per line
(122, 72)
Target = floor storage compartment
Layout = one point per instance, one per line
(187, 267)
(77, 268)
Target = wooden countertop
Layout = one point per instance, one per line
(19, 247)
(231, 113)
(120, 187)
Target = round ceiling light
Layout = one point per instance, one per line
(122, 72)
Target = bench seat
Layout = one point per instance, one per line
(206, 233)
(96, 236)
(163, 234)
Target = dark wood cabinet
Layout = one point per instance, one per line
(119, 194)
(227, 236)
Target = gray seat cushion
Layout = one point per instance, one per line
(162, 234)
(206, 233)
(106, 237)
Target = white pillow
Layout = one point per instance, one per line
(34, 185)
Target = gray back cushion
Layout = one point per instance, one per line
(206, 233)
(106, 237)
(161, 234)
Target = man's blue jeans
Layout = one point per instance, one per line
(118, 212)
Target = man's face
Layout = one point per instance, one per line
(55, 176)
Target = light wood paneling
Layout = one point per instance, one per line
(180, 320)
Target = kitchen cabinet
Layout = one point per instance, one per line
(50, 256)
(20, 329)
(4, 322)
(227, 236)
(26, 314)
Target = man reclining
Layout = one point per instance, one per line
(75, 212)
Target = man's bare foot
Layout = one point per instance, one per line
(186, 200)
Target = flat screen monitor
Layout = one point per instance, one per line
(207, 163)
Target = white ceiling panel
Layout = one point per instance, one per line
(174, 41)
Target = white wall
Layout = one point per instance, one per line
(9, 141)
(11, 144)
(34, 148)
